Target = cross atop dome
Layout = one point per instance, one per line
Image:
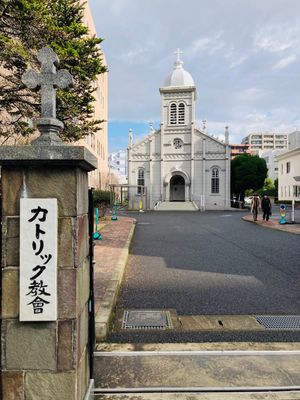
(178, 52)
(179, 76)
(178, 63)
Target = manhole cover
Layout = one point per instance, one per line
(279, 322)
(146, 319)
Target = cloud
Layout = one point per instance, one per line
(252, 94)
(284, 62)
(243, 55)
(208, 43)
(276, 38)
(133, 56)
(237, 62)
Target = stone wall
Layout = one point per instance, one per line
(47, 360)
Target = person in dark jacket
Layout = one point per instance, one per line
(266, 207)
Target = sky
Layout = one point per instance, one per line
(244, 56)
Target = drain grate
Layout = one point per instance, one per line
(147, 319)
(279, 322)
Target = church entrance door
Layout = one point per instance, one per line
(177, 188)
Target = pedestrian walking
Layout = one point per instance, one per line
(255, 202)
(266, 207)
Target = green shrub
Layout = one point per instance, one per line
(101, 197)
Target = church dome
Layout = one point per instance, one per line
(179, 76)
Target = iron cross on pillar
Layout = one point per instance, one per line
(48, 80)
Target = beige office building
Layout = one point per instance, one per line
(266, 141)
(97, 143)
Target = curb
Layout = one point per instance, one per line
(104, 314)
(281, 228)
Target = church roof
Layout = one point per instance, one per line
(197, 131)
(179, 76)
(200, 132)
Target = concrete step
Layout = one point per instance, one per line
(285, 395)
(176, 206)
(196, 371)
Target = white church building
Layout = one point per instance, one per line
(179, 166)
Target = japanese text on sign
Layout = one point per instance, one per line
(38, 259)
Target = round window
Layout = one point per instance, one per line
(177, 143)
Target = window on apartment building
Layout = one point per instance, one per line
(289, 190)
(93, 141)
(288, 167)
(215, 181)
(281, 170)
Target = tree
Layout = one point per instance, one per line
(25, 27)
(268, 184)
(270, 187)
(247, 172)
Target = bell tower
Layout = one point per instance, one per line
(178, 96)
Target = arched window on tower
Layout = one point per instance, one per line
(181, 113)
(173, 114)
(141, 180)
(215, 181)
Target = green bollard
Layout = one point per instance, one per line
(97, 235)
(114, 216)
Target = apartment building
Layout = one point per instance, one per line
(294, 140)
(238, 149)
(266, 141)
(270, 156)
(98, 143)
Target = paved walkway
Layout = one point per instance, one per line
(273, 223)
(108, 254)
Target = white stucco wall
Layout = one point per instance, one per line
(179, 162)
(286, 180)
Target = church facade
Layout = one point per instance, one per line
(179, 162)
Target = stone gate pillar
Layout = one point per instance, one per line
(47, 360)
(45, 354)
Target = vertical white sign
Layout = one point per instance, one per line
(38, 259)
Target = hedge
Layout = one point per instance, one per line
(101, 197)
